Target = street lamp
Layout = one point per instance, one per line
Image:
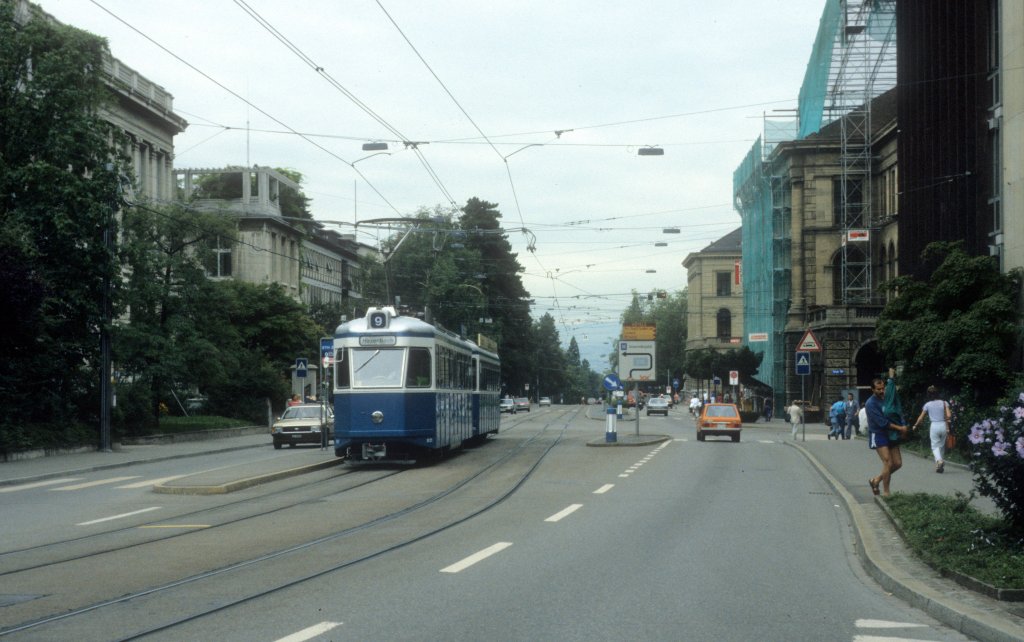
(374, 147)
(355, 186)
(650, 151)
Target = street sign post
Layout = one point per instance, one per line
(803, 368)
(636, 360)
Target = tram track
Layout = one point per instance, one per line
(9, 559)
(369, 537)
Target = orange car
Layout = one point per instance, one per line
(719, 420)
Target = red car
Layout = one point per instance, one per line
(719, 420)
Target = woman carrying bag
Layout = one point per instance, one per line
(937, 411)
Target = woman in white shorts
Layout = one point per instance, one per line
(937, 411)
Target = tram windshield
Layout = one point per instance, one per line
(377, 367)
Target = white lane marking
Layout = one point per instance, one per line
(51, 482)
(107, 519)
(100, 482)
(875, 638)
(175, 526)
(604, 489)
(766, 441)
(565, 512)
(624, 475)
(151, 482)
(476, 557)
(886, 624)
(309, 633)
(680, 439)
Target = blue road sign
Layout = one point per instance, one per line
(675, 383)
(803, 363)
(301, 368)
(326, 347)
(611, 382)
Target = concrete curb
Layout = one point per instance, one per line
(629, 440)
(176, 487)
(968, 620)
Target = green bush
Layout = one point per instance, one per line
(997, 458)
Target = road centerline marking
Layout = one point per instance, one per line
(98, 482)
(50, 482)
(565, 512)
(476, 557)
(604, 489)
(112, 517)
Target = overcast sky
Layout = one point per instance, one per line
(484, 85)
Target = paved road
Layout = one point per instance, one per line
(845, 465)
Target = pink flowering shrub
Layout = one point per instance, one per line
(997, 458)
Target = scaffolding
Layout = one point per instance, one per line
(864, 61)
(853, 61)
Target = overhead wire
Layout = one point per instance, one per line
(244, 100)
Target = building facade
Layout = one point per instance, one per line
(714, 315)
(313, 265)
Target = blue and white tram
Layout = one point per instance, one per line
(404, 388)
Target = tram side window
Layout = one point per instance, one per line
(341, 376)
(418, 372)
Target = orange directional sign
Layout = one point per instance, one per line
(638, 332)
(809, 343)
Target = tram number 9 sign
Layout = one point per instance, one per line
(378, 320)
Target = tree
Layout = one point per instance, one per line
(160, 349)
(60, 164)
(958, 329)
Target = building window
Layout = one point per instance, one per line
(724, 325)
(218, 265)
(723, 283)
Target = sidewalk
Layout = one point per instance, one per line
(845, 465)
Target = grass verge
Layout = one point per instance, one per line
(196, 423)
(949, 534)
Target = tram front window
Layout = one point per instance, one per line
(377, 368)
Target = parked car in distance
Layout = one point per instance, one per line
(507, 405)
(303, 424)
(522, 403)
(657, 406)
(544, 401)
(719, 420)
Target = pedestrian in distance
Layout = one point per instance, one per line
(796, 416)
(852, 424)
(768, 408)
(937, 410)
(881, 430)
(837, 419)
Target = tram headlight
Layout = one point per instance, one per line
(377, 417)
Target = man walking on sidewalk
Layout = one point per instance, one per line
(879, 428)
(852, 407)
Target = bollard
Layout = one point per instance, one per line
(609, 434)
(618, 410)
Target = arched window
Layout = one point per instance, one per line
(724, 325)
